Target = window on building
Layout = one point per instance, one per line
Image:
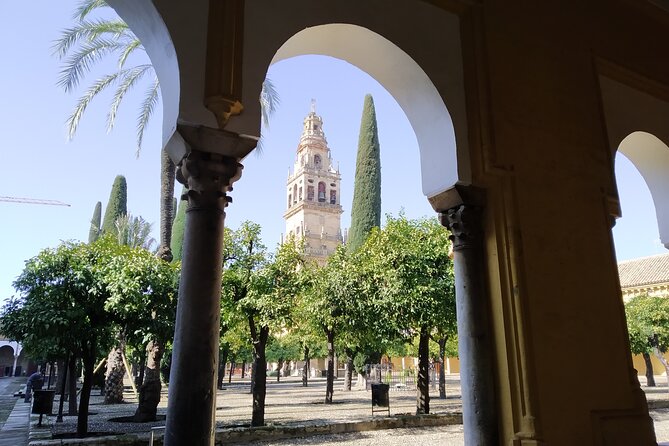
(317, 161)
(321, 192)
(333, 196)
(300, 195)
(295, 193)
(290, 200)
(310, 193)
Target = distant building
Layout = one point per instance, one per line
(645, 275)
(649, 276)
(313, 193)
(12, 360)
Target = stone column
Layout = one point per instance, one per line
(192, 389)
(474, 343)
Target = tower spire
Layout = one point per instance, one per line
(313, 105)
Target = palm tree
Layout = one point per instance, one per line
(81, 47)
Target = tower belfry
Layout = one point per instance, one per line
(313, 188)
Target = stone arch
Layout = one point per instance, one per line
(6, 360)
(650, 156)
(404, 63)
(403, 78)
(636, 127)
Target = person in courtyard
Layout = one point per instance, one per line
(35, 382)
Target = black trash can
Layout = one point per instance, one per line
(380, 398)
(43, 402)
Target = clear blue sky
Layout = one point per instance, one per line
(38, 161)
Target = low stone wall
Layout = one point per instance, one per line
(245, 435)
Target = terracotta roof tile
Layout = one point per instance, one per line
(644, 271)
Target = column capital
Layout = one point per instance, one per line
(208, 177)
(464, 223)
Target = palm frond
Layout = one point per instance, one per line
(269, 101)
(86, 7)
(80, 108)
(128, 80)
(128, 50)
(80, 63)
(88, 31)
(146, 111)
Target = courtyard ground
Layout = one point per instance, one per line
(288, 403)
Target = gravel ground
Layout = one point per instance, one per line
(289, 403)
(443, 436)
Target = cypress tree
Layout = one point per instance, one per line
(96, 220)
(117, 204)
(366, 208)
(178, 228)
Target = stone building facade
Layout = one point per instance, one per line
(313, 210)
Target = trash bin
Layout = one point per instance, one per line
(43, 402)
(380, 398)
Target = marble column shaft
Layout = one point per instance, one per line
(474, 338)
(192, 389)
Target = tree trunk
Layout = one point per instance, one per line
(114, 376)
(305, 369)
(253, 373)
(62, 365)
(244, 370)
(278, 369)
(650, 377)
(329, 386)
(259, 374)
(167, 175)
(141, 368)
(149, 393)
(349, 370)
(72, 386)
(423, 389)
(664, 362)
(222, 360)
(89, 363)
(233, 364)
(442, 367)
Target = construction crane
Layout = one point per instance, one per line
(33, 201)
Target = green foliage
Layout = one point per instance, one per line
(366, 207)
(116, 206)
(648, 323)
(134, 232)
(179, 227)
(89, 42)
(142, 293)
(410, 260)
(60, 308)
(96, 222)
(285, 347)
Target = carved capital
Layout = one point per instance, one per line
(208, 176)
(464, 222)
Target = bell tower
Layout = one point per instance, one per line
(313, 193)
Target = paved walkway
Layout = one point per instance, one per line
(14, 431)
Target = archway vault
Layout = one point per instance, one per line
(636, 126)
(422, 84)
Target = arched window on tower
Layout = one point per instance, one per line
(333, 196)
(321, 192)
(310, 193)
(300, 195)
(295, 193)
(290, 200)
(317, 161)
